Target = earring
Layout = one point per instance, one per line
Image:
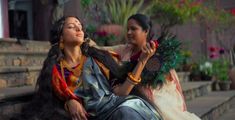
(61, 45)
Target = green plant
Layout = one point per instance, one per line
(90, 30)
(86, 3)
(121, 10)
(220, 69)
(186, 55)
(172, 12)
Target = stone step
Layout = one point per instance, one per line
(208, 107)
(18, 76)
(229, 115)
(22, 58)
(13, 98)
(10, 93)
(211, 106)
(183, 76)
(11, 44)
(192, 90)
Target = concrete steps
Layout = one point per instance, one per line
(211, 106)
(192, 90)
(21, 58)
(20, 62)
(15, 92)
(13, 98)
(12, 76)
(208, 104)
(11, 44)
(230, 114)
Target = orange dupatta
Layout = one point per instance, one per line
(60, 87)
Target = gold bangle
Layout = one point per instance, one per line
(132, 82)
(132, 78)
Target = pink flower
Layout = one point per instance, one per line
(213, 55)
(102, 33)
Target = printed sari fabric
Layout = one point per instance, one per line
(98, 99)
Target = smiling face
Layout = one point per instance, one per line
(135, 33)
(72, 33)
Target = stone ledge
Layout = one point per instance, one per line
(12, 100)
(18, 76)
(211, 106)
(11, 93)
(14, 69)
(14, 41)
(22, 58)
(22, 52)
(11, 44)
(229, 115)
(191, 90)
(183, 76)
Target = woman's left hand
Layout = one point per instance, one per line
(76, 110)
(147, 51)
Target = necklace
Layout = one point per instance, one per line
(76, 72)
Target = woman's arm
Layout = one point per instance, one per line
(72, 104)
(134, 77)
(116, 48)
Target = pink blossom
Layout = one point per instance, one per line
(214, 55)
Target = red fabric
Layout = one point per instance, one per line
(60, 86)
(178, 87)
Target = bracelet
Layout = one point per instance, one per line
(134, 83)
(133, 79)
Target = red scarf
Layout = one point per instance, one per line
(61, 88)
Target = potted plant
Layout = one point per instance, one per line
(221, 69)
(195, 74)
(185, 67)
(206, 70)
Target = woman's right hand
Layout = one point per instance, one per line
(147, 51)
(76, 110)
(92, 43)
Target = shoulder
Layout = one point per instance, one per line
(92, 65)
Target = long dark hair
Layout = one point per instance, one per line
(145, 23)
(44, 104)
